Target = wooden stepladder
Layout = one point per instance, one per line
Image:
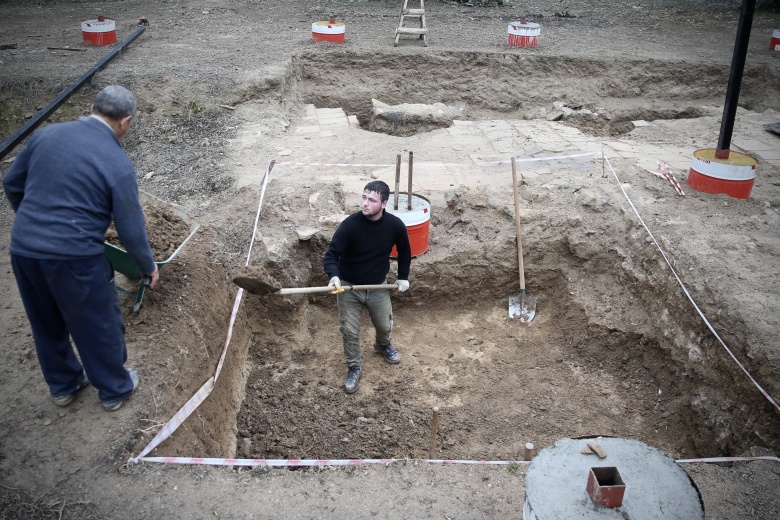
(412, 15)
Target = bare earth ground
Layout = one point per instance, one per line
(616, 349)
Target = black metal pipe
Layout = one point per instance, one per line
(28, 128)
(735, 78)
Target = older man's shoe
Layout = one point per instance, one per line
(113, 406)
(65, 399)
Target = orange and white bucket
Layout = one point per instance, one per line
(774, 43)
(733, 176)
(328, 31)
(417, 221)
(98, 32)
(523, 34)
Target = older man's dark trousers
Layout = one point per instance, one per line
(75, 298)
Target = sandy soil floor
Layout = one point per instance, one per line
(616, 348)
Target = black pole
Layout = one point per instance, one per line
(735, 78)
(28, 128)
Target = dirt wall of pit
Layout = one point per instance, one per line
(179, 335)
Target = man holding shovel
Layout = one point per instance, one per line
(65, 186)
(359, 254)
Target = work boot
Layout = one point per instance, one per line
(390, 354)
(351, 382)
(113, 406)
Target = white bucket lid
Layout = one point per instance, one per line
(98, 26)
(328, 28)
(524, 29)
(419, 214)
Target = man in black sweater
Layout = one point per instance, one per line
(359, 254)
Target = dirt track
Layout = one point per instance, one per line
(615, 349)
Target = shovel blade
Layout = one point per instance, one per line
(522, 308)
(254, 286)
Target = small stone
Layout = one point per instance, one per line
(306, 233)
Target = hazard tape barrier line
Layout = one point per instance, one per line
(713, 460)
(534, 159)
(687, 294)
(299, 463)
(319, 462)
(428, 164)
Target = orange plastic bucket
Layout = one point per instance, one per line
(417, 221)
(733, 176)
(328, 31)
(98, 32)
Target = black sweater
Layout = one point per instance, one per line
(360, 249)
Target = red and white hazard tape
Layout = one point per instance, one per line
(299, 463)
(713, 460)
(345, 165)
(551, 158)
(428, 164)
(665, 172)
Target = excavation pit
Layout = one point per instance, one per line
(615, 348)
(610, 352)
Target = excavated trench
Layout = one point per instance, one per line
(610, 352)
(613, 350)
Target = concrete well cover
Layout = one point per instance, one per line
(656, 486)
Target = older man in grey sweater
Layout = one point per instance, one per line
(65, 186)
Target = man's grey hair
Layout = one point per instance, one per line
(115, 102)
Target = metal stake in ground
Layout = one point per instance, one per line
(522, 307)
(397, 179)
(409, 197)
(434, 430)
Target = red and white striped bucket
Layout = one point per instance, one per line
(774, 43)
(733, 176)
(328, 31)
(523, 34)
(98, 32)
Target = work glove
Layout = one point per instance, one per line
(335, 283)
(403, 285)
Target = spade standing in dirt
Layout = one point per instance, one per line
(359, 254)
(65, 186)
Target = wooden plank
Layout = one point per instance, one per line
(411, 30)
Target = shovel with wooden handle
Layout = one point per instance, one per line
(261, 288)
(522, 307)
